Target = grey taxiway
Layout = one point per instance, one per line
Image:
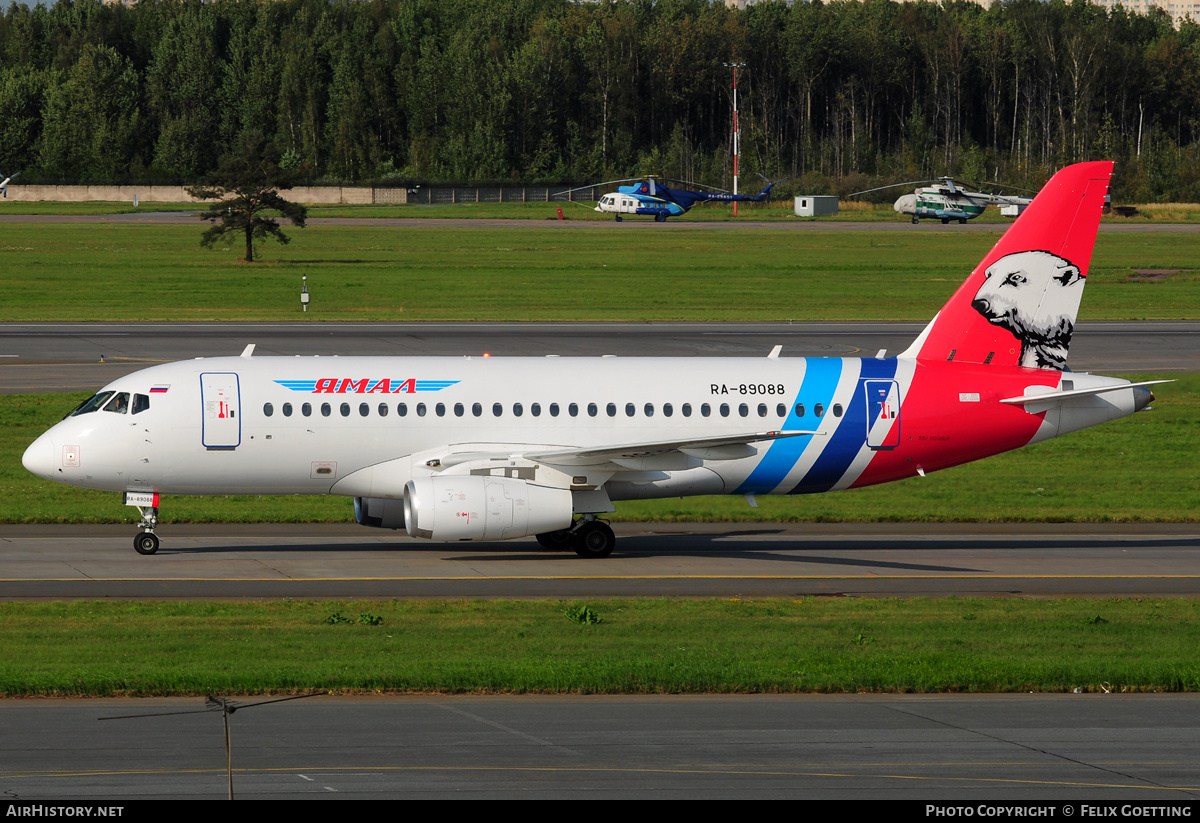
(682, 559)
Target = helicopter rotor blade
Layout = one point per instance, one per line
(892, 186)
(595, 186)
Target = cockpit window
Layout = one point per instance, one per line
(91, 404)
(141, 402)
(119, 404)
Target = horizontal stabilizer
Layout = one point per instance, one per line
(1054, 396)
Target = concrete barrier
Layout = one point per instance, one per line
(308, 195)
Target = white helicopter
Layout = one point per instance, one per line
(649, 196)
(947, 201)
(7, 180)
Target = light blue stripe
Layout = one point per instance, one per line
(821, 375)
(847, 440)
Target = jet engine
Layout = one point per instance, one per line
(480, 507)
(379, 512)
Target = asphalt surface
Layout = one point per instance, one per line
(256, 561)
(629, 224)
(1010, 749)
(53, 357)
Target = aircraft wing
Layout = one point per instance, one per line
(726, 447)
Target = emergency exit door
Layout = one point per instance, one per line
(220, 398)
(883, 413)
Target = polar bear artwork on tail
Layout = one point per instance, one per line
(1035, 295)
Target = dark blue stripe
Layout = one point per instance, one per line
(821, 376)
(848, 438)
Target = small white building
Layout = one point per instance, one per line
(816, 205)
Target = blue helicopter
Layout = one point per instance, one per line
(648, 196)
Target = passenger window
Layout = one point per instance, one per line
(743, 409)
(497, 410)
(363, 409)
(306, 410)
(649, 409)
(837, 409)
(141, 402)
(799, 409)
(344, 409)
(686, 409)
(573, 409)
(762, 409)
(705, 410)
(593, 410)
(554, 410)
(535, 409)
(402, 409)
(287, 409)
(268, 410)
(630, 410)
(383, 409)
(326, 410)
(420, 410)
(476, 409)
(517, 410)
(119, 404)
(781, 410)
(440, 408)
(611, 408)
(819, 410)
(458, 410)
(724, 409)
(667, 410)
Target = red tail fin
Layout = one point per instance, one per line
(1018, 307)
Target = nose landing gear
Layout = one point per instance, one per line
(146, 542)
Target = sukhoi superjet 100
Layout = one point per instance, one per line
(498, 448)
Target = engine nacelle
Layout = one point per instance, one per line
(476, 507)
(379, 512)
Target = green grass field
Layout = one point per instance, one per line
(639, 646)
(160, 273)
(1140, 468)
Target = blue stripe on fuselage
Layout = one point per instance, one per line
(848, 438)
(821, 375)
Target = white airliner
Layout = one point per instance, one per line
(476, 448)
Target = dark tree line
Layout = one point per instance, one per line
(836, 94)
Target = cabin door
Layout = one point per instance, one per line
(220, 399)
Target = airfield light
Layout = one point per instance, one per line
(736, 132)
(304, 292)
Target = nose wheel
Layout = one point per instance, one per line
(146, 542)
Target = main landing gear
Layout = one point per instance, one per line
(146, 542)
(589, 537)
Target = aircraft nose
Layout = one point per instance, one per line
(39, 457)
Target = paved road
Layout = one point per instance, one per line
(681, 560)
(1139, 749)
(67, 356)
(632, 224)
